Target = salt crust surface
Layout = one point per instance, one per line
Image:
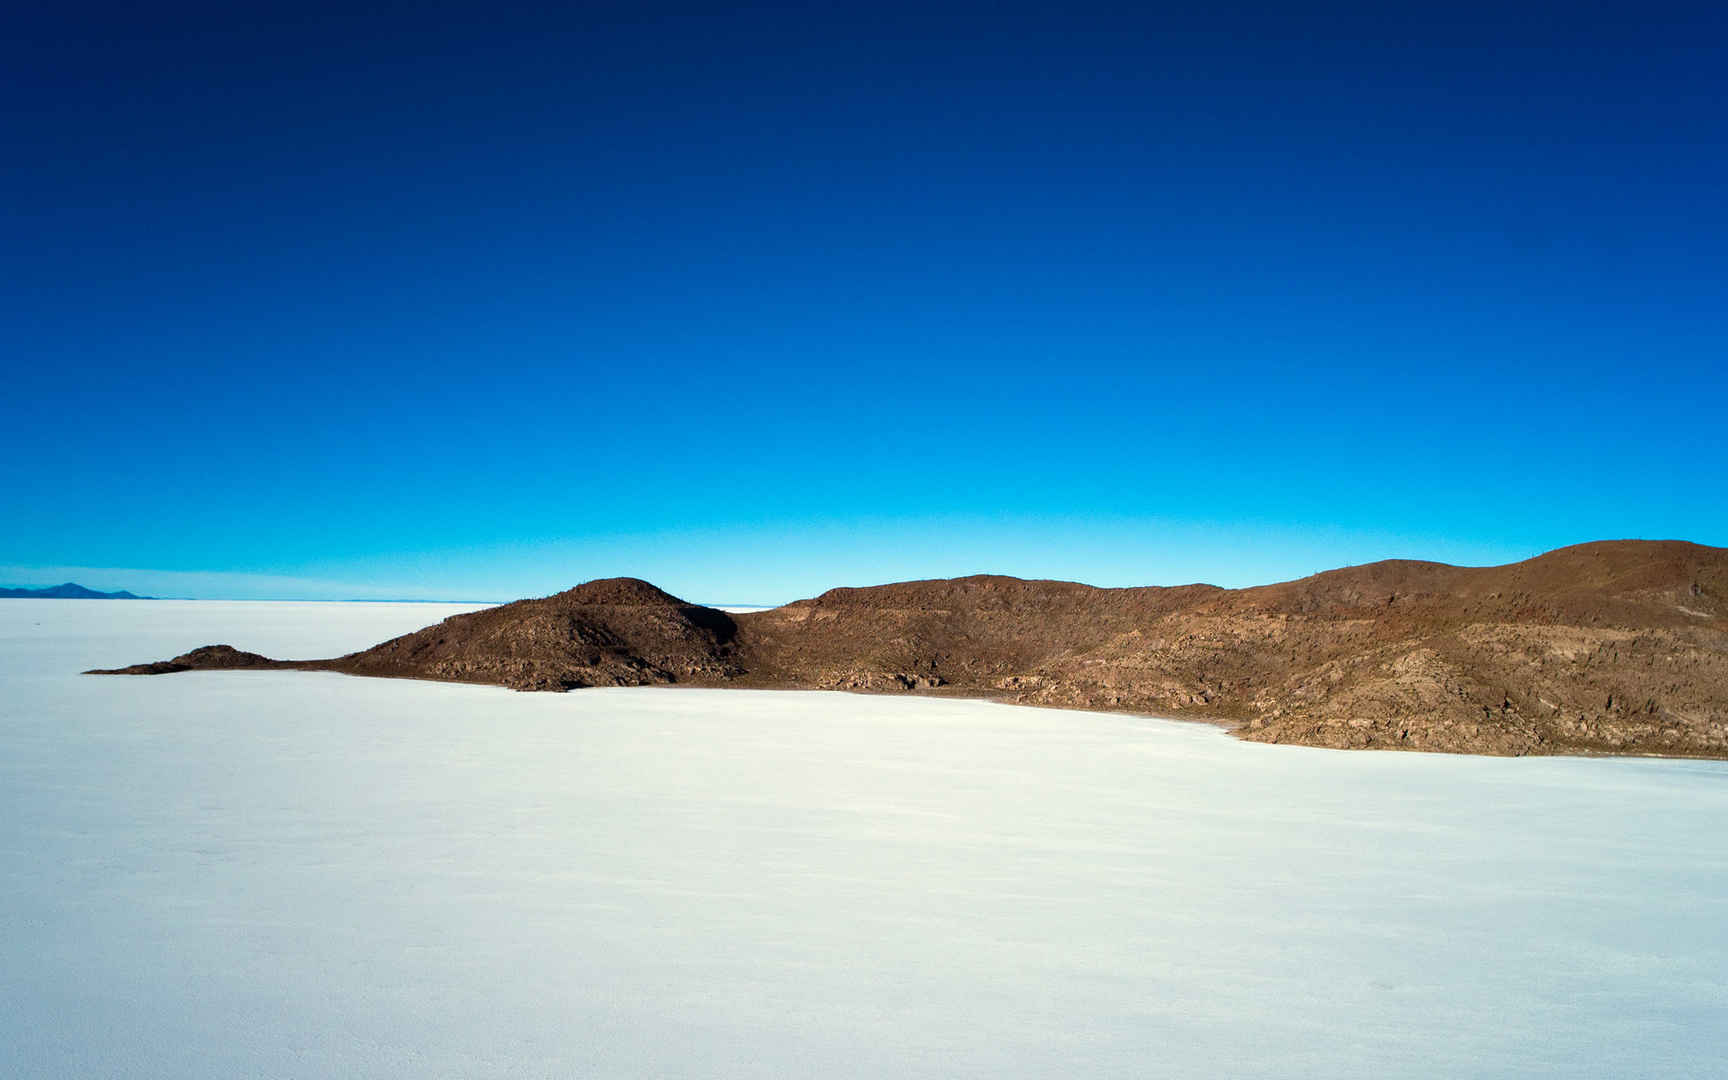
(223, 874)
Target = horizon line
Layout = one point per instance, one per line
(262, 579)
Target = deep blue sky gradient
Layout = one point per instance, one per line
(481, 301)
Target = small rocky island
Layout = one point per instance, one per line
(1618, 647)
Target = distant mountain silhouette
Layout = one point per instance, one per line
(68, 591)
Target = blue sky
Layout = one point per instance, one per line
(473, 301)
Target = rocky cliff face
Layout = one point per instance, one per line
(1618, 647)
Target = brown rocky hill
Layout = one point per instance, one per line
(617, 632)
(1614, 647)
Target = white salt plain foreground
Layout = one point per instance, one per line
(309, 875)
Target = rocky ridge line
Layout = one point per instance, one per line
(1614, 647)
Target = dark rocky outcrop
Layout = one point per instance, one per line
(1614, 647)
(616, 632)
(203, 658)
